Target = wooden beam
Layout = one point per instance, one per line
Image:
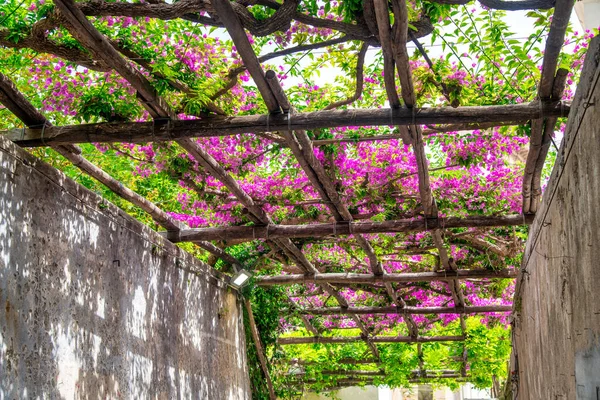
(409, 310)
(84, 31)
(354, 373)
(554, 44)
(259, 349)
(428, 131)
(540, 144)
(272, 231)
(353, 278)
(351, 361)
(415, 373)
(349, 382)
(383, 26)
(142, 132)
(546, 88)
(231, 21)
(374, 339)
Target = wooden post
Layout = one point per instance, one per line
(259, 349)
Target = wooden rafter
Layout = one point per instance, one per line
(375, 339)
(349, 278)
(410, 310)
(142, 132)
(269, 230)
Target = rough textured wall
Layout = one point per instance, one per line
(95, 305)
(557, 328)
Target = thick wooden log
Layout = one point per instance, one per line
(140, 132)
(19, 105)
(554, 44)
(350, 361)
(354, 373)
(352, 278)
(428, 131)
(231, 21)
(374, 339)
(259, 349)
(356, 381)
(383, 26)
(408, 310)
(347, 228)
(537, 150)
(100, 47)
(416, 373)
(546, 138)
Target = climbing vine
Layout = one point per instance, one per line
(198, 71)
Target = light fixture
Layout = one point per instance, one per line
(240, 278)
(295, 368)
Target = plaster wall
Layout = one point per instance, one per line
(556, 337)
(95, 305)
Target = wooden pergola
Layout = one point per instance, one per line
(291, 127)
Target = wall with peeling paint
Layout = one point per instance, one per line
(95, 305)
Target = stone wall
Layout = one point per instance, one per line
(556, 352)
(95, 305)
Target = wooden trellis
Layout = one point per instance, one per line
(291, 127)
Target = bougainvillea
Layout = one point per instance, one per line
(197, 69)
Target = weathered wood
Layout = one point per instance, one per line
(374, 339)
(536, 190)
(428, 131)
(141, 132)
(259, 349)
(209, 163)
(100, 47)
(277, 91)
(356, 381)
(350, 361)
(408, 310)
(416, 372)
(231, 21)
(307, 161)
(354, 373)
(349, 278)
(554, 44)
(160, 216)
(400, 55)
(383, 26)
(211, 248)
(347, 228)
(345, 383)
(19, 105)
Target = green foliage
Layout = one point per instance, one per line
(351, 9)
(266, 305)
(111, 105)
(487, 352)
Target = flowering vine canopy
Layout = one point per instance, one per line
(391, 156)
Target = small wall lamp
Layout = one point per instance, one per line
(240, 278)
